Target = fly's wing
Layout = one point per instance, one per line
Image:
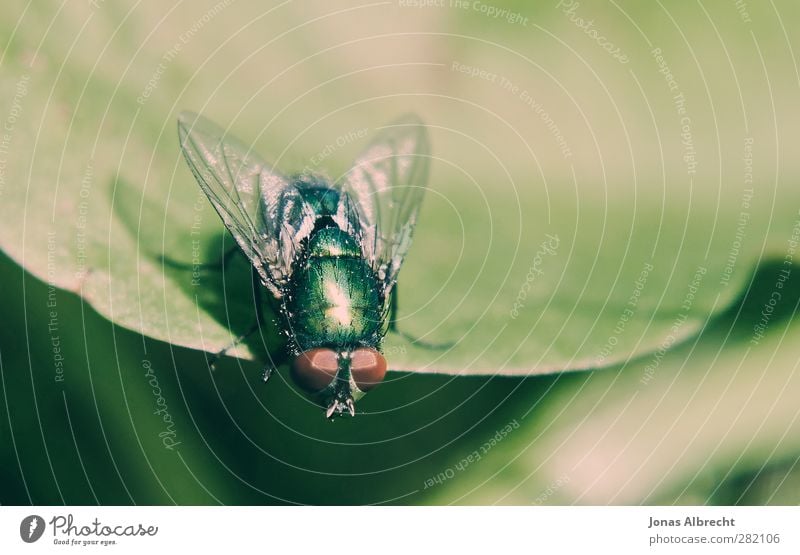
(252, 199)
(387, 185)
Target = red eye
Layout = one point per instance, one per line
(314, 370)
(368, 368)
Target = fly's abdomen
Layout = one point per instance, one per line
(335, 299)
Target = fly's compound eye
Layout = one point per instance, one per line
(314, 370)
(368, 367)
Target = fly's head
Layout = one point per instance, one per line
(337, 379)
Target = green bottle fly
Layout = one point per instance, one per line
(328, 253)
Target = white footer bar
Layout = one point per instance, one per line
(401, 530)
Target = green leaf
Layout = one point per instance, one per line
(576, 218)
(684, 428)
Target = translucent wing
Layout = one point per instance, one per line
(387, 184)
(261, 208)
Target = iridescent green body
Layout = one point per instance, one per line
(333, 296)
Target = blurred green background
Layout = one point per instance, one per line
(93, 190)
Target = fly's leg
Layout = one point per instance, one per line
(212, 360)
(218, 266)
(269, 368)
(419, 342)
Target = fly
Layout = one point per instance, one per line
(327, 253)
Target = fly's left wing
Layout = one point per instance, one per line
(261, 208)
(387, 184)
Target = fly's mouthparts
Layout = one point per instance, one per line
(338, 407)
(331, 408)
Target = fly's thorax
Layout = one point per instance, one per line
(335, 302)
(334, 296)
(332, 242)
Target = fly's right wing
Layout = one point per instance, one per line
(387, 184)
(261, 208)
